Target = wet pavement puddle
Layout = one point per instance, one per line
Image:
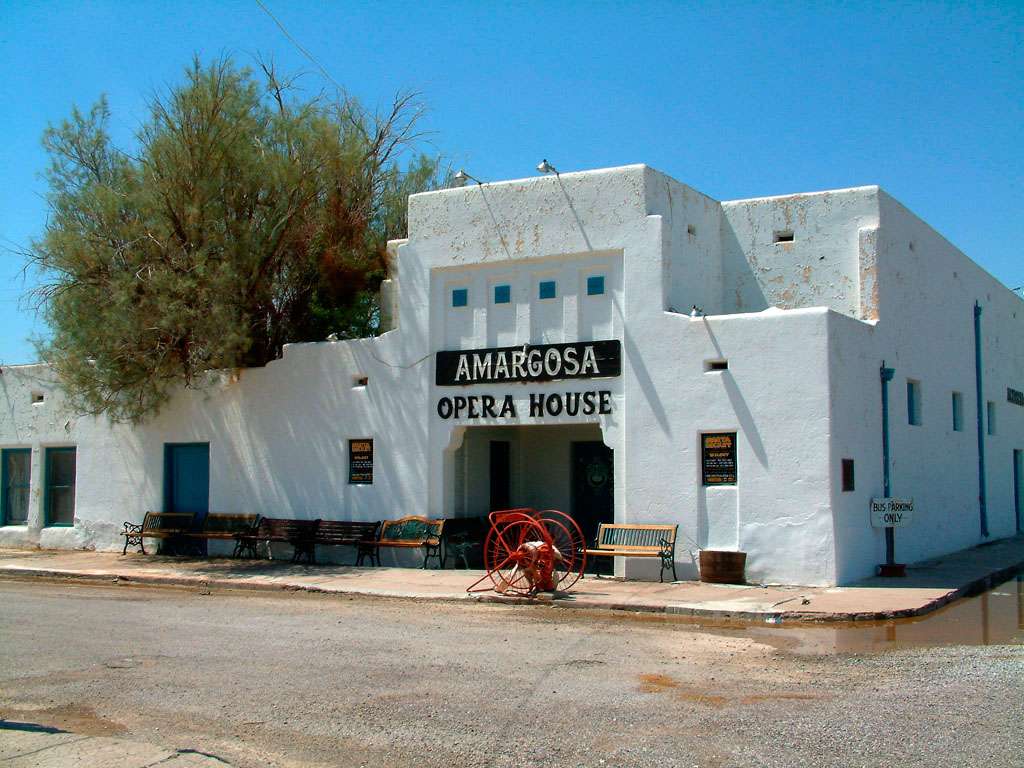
(664, 684)
(995, 617)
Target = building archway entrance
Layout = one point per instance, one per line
(566, 467)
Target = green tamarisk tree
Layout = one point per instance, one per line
(245, 218)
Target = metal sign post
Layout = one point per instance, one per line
(890, 567)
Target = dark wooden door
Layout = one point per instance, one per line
(593, 486)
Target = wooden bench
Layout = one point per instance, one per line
(334, 533)
(301, 534)
(219, 526)
(157, 525)
(621, 540)
(410, 531)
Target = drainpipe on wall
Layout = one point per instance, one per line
(891, 567)
(982, 508)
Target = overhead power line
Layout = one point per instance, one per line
(298, 45)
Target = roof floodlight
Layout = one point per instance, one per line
(545, 167)
(461, 177)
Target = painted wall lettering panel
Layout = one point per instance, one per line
(543, 362)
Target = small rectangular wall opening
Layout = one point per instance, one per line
(358, 382)
(691, 230)
(958, 412)
(38, 397)
(848, 479)
(716, 365)
(784, 236)
(913, 402)
(990, 413)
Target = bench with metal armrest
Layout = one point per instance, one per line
(409, 532)
(300, 534)
(180, 526)
(336, 533)
(218, 526)
(623, 540)
(156, 525)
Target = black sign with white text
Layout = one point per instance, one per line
(360, 462)
(543, 362)
(718, 457)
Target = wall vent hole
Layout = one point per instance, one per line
(848, 476)
(691, 230)
(785, 236)
(38, 397)
(716, 365)
(360, 381)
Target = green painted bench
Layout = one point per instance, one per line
(412, 531)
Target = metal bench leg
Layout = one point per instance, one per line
(364, 551)
(432, 552)
(303, 550)
(668, 561)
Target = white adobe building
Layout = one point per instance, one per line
(801, 298)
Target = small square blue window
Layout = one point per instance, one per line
(502, 294)
(547, 289)
(460, 297)
(595, 285)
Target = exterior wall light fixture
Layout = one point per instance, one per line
(545, 167)
(461, 177)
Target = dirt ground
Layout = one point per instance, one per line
(131, 676)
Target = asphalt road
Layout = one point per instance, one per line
(130, 676)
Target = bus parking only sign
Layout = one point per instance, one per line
(892, 513)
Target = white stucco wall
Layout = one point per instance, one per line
(926, 294)
(820, 267)
(803, 325)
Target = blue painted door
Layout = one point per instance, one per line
(187, 478)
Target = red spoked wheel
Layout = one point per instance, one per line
(526, 552)
(568, 540)
(519, 555)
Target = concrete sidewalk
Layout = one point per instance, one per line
(928, 585)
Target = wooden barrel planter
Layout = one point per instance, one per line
(720, 567)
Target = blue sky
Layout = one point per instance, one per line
(737, 100)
